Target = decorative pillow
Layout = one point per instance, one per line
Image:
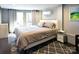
(54, 25)
(44, 24)
(49, 25)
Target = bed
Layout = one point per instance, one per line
(30, 36)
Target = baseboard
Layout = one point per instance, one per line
(4, 38)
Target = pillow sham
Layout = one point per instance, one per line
(49, 25)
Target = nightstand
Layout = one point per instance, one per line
(61, 36)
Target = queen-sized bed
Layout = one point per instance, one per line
(30, 36)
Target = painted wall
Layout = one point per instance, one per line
(70, 26)
(56, 15)
(51, 16)
(59, 16)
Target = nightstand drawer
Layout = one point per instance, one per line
(60, 37)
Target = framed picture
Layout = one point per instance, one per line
(74, 14)
(47, 15)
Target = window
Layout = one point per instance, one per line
(29, 18)
(19, 19)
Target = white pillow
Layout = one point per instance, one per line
(40, 24)
(47, 24)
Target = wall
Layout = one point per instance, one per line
(51, 16)
(56, 15)
(59, 16)
(69, 26)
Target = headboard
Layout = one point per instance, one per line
(51, 21)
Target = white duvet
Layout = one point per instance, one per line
(29, 28)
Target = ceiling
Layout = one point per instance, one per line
(29, 6)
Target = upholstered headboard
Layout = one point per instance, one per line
(50, 21)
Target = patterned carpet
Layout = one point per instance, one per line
(56, 48)
(50, 47)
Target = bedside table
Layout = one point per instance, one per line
(62, 37)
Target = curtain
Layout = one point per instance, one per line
(36, 16)
(0, 16)
(24, 17)
(12, 20)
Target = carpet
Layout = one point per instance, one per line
(49, 47)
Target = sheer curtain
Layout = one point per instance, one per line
(19, 19)
(16, 19)
(36, 16)
(28, 18)
(12, 19)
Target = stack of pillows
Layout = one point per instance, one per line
(47, 24)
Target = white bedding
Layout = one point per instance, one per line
(29, 28)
